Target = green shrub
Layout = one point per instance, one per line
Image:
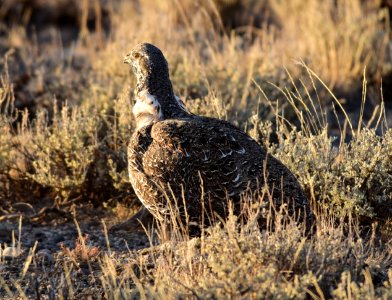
(354, 179)
(63, 150)
(5, 146)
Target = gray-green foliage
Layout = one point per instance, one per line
(355, 178)
(63, 151)
(5, 144)
(6, 138)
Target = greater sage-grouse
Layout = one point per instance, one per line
(194, 163)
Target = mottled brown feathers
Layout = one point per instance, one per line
(183, 158)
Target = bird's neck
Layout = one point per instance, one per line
(161, 89)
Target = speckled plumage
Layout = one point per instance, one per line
(174, 154)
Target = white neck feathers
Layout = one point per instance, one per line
(146, 110)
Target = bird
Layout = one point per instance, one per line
(193, 163)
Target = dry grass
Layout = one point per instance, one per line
(294, 81)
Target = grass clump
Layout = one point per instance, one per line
(5, 146)
(240, 261)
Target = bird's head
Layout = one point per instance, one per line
(147, 60)
(155, 99)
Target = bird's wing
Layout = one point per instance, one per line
(205, 157)
(187, 152)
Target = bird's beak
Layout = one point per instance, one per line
(127, 59)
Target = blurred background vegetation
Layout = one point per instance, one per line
(310, 79)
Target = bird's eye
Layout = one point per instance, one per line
(136, 55)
